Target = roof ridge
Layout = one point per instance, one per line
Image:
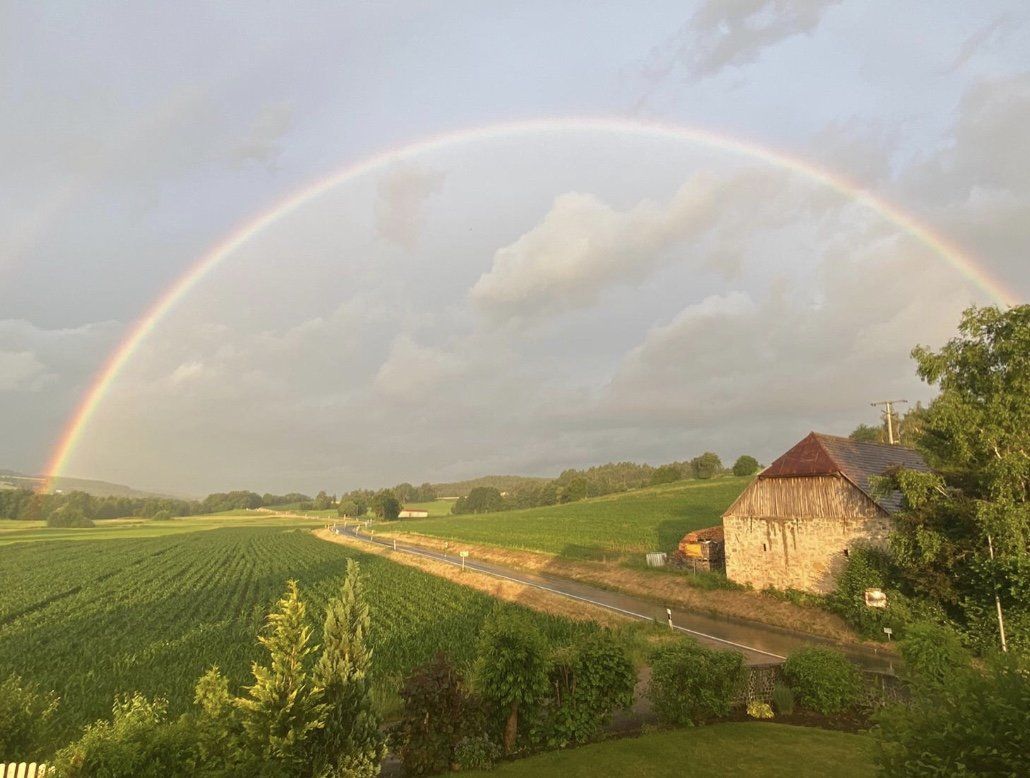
(849, 439)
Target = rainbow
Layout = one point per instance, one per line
(160, 308)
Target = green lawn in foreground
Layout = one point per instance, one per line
(744, 749)
(653, 519)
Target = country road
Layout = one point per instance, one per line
(758, 643)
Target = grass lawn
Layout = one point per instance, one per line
(653, 519)
(750, 749)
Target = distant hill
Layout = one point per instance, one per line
(502, 483)
(9, 479)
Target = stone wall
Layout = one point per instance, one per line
(796, 552)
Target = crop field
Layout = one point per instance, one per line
(153, 612)
(653, 519)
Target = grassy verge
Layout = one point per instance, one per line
(697, 594)
(751, 749)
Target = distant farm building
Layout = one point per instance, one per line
(794, 526)
(413, 513)
(702, 549)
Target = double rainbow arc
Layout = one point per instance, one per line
(117, 360)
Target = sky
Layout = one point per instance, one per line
(523, 299)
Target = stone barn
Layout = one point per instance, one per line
(794, 526)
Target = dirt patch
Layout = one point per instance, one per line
(509, 591)
(666, 589)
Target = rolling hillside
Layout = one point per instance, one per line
(636, 521)
(9, 479)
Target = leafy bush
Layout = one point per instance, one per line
(476, 753)
(932, 653)
(783, 699)
(512, 669)
(138, 742)
(690, 683)
(823, 680)
(432, 723)
(590, 681)
(25, 716)
(759, 710)
(978, 723)
(867, 568)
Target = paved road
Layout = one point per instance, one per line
(758, 643)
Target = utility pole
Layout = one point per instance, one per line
(889, 412)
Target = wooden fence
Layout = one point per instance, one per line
(22, 770)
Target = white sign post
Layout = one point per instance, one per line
(464, 556)
(668, 615)
(888, 632)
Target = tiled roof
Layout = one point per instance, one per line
(859, 462)
(708, 533)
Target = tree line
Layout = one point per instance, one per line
(574, 485)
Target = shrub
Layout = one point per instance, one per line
(932, 653)
(432, 723)
(512, 669)
(759, 710)
(590, 681)
(690, 683)
(783, 699)
(867, 568)
(25, 716)
(978, 723)
(823, 680)
(138, 742)
(476, 753)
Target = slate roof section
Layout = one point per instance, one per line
(859, 462)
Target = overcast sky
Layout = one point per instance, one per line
(515, 304)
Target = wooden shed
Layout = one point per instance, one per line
(702, 549)
(794, 526)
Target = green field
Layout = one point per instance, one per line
(150, 607)
(750, 749)
(435, 508)
(653, 519)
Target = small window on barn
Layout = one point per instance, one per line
(846, 553)
(765, 547)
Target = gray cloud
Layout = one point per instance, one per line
(723, 34)
(262, 141)
(990, 33)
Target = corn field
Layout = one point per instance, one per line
(92, 619)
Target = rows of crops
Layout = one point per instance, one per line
(93, 619)
(635, 521)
